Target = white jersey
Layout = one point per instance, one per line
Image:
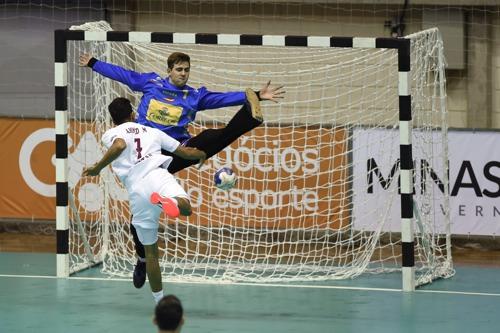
(143, 152)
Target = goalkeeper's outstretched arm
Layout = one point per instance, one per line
(134, 80)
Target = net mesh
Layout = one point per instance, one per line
(317, 192)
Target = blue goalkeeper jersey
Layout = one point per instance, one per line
(163, 105)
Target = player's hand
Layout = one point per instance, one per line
(84, 59)
(202, 160)
(91, 171)
(271, 94)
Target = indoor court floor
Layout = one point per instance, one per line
(34, 300)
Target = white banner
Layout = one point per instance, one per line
(475, 182)
(474, 159)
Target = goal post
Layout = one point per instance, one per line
(306, 206)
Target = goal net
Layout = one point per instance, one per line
(318, 190)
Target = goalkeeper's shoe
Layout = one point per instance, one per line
(168, 205)
(139, 274)
(254, 104)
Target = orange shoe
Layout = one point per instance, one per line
(167, 204)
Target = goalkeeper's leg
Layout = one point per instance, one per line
(213, 141)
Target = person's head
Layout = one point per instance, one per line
(179, 65)
(121, 111)
(169, 314)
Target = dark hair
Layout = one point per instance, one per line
(168, 313)
(177, 57)
(120, 110)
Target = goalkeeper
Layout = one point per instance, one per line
(169, 104)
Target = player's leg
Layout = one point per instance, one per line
(184, 206)
(144, 225)
(149, 237)
(153, 270)
(140, 251)
(172, 206)
(247, 118)
(168, 193)
(139, 276)
(213, 141)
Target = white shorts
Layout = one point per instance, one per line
(146, 236)
(145, 214)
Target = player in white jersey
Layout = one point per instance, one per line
(134, 152)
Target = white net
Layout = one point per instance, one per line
(317, 191)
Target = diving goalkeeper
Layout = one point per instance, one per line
(170, 105)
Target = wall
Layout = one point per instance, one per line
(26, 88)
(27, 56)
(495, 69)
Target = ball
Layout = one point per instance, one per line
(224, 178)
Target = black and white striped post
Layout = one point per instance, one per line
(406, 161)
(61, 126)
(406, 165)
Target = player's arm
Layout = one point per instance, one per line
(118, 146)
(134, 80)
(188, 153)
(214, 100)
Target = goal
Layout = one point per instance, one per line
(347, 175)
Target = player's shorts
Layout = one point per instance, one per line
(146, 236)
(145, 214)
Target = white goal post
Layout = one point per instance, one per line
(348, 175)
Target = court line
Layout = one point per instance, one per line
(276, 285)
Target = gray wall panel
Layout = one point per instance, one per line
(27, 57)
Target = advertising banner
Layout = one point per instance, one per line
(296, 179)
(475, 183)
(28, 169)
(474, 162)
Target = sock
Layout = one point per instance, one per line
(158, 295)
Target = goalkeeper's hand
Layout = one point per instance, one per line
(271, 94)
(84, 59)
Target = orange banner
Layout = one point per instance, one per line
(27, 153)
(295, 180)
(296, 177)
